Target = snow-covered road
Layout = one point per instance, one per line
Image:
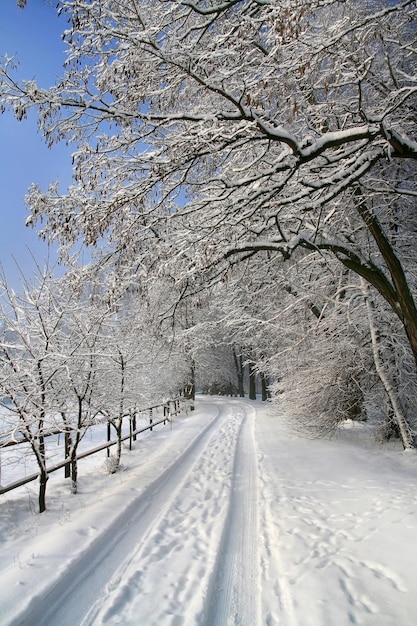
(227, 519)
(176, 559)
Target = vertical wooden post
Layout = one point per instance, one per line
(108, 437)
(130, 432)
(134, 424)
(67, 469)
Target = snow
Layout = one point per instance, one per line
(227, 518)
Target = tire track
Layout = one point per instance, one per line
(180, 540)
(233, 597)
(184, 552)
(68, 601)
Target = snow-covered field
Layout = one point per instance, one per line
(225, 519)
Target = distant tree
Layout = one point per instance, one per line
(328, 378)
(120, 375)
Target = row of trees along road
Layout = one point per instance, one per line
(69, 359)
(258, 160)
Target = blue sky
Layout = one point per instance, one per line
(34, 35)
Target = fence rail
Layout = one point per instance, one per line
(167, 417)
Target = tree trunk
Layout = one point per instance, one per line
(189, 391)
(74, 472)
(121, 408)
(75, 440)
(43, 475)
(119, 442)
(43, 479)
(403, 304)
(252, 380)
(264, 384)
(238, 360)
(67, 448)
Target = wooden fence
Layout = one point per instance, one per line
(169, 409)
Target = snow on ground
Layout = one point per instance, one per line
(224, 519)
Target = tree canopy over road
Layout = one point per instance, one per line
(214, 139)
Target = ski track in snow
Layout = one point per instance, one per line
(234, 594)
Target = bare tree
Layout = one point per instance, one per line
(31, 322)
(403, 424)
(80, 344)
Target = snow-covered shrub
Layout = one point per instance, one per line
(111, 464)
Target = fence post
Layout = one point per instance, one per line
(134, 424)
(150, 420)
(130, 431)
(108, 437)
(67, 471)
